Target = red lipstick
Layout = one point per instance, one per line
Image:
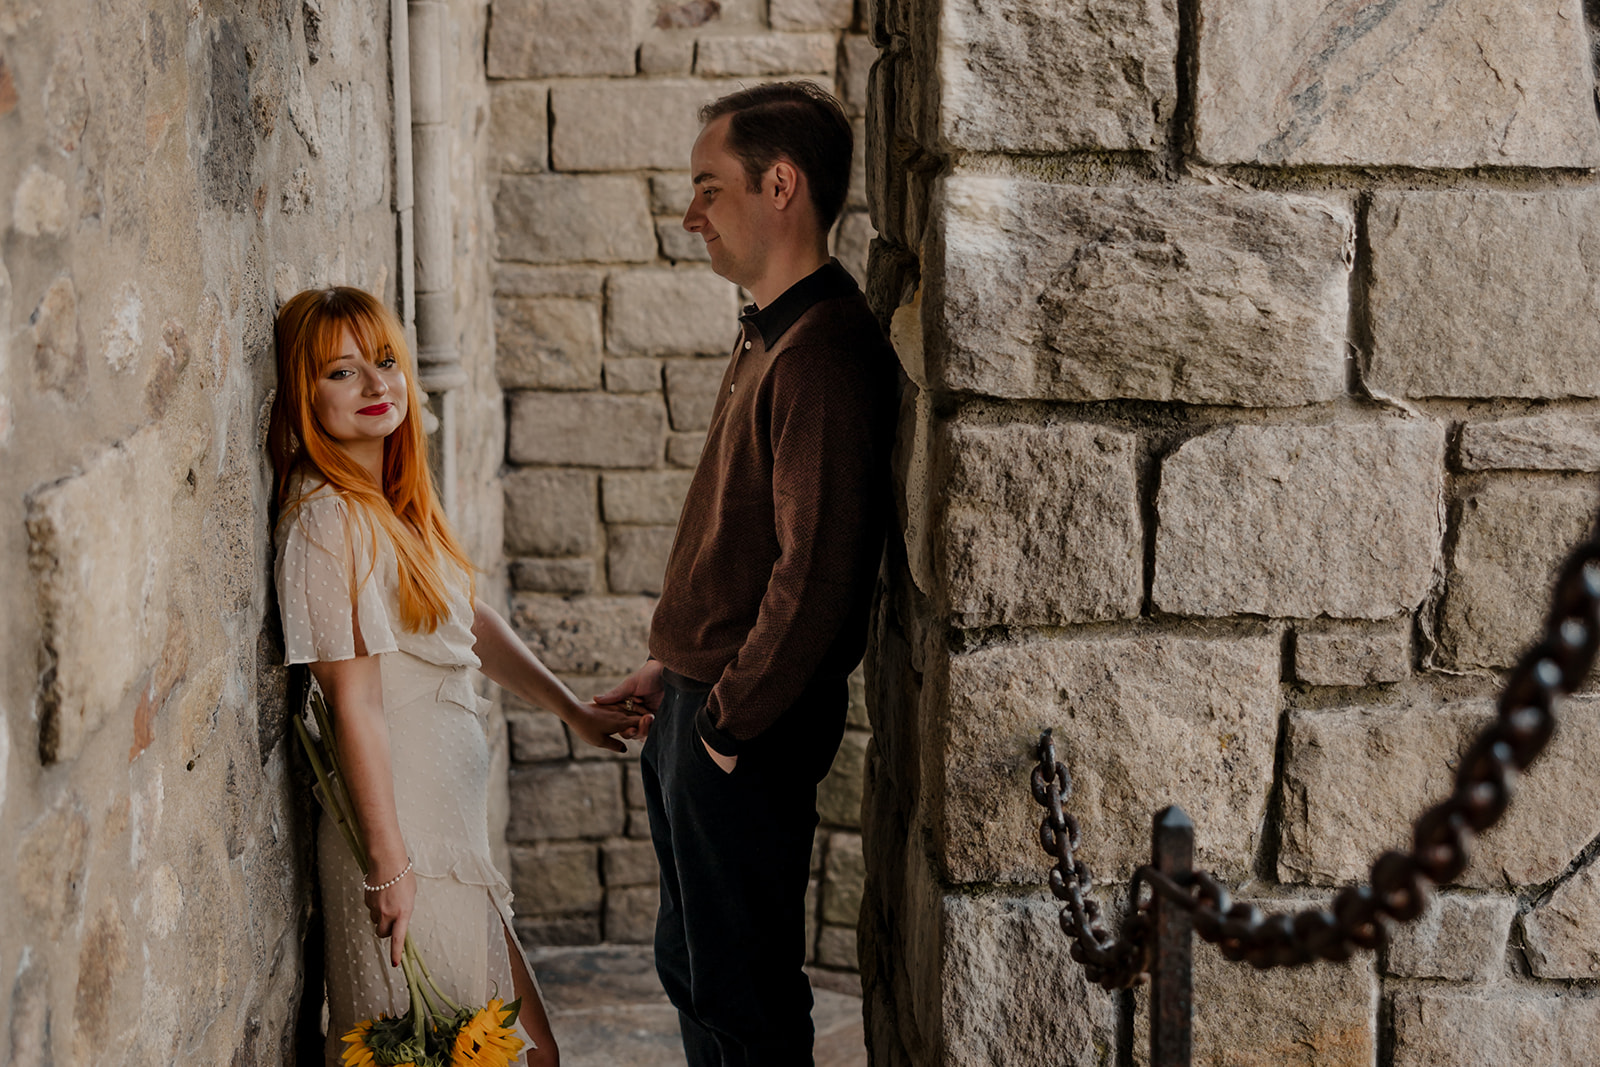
(375, 409)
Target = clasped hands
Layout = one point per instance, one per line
(643, 689)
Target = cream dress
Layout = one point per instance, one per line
(440, 753)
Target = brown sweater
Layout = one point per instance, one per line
(770, 578)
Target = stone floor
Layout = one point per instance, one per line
(607, 1009)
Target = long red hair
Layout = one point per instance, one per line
(310, 330)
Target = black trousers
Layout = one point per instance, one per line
(735, 852)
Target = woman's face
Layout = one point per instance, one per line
(359, 402)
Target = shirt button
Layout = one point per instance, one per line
(747, 346)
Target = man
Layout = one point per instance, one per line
(763, 612)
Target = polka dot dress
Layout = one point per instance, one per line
(440, 755)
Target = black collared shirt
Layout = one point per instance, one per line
(773, 321)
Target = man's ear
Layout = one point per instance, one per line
(785, 183)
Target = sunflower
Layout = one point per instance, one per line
(359, 1054)
(485, 1040)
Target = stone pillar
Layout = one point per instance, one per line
(1251, 401)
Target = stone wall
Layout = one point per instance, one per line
(170, 172)
(1251, 400)
(612, 333)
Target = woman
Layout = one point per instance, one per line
(377, 596)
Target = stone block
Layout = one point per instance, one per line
(666, 55)
(567, 930)
(1070, 75)
(1564, 442)
(839, 794)
(536, 735)
(692, 389)
(1511, 540)
(636, 124)
(683, 449)
(1011, 994)
(1563, 933)
(628, 863)
(1301, 521)
(766, 53)
(550, 512)
(670, 194)
(810, 14)
(555, 879)
(844, 872)
(50, 868)
(588, 634)
(636, 558)
(547, 344)
(632, 376)
(1370, 655)
(644, 496)
(856, 196)
(638, 826)
(857, 53)
(631, 915)
(585, 429)
(836, 947)
(1201, 295)
(1207, 715)
(633, 786)
(1443, 1028)
(656, 312)
(1355, 779)
(851, 243)
(1527, 264)
(1038, 524)
(553, 575)
(678, 244)
(1462, 938)
(543, 38)
(519, 127)
(1481, 83)
(553, 801)
(556, 218)
(520, 279)
(1324, 1015)
(856, 715)
(813, 894)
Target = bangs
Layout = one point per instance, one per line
(375, 333)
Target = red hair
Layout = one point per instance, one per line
(310, 331)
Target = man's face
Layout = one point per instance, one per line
(725, 212)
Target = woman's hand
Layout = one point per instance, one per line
(391, 909)
(596, 724)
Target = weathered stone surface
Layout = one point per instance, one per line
(644, 497)
(789, 53)
(552, 801)
(638, 124)
(536, 735)
(1324, 1015)
(844, 872)
(1512, 538)
(856, 56)
(632, 376)
(666, 55)
(1563, 442)
(692, 387)
(1488, 82)
(1038, 525)
(633, 786)
(1011, 993)
(1458, 937)
(1527, 264)
(519, 127)
(540, 38)
(629, 863)
(836, 947)
(547, 344)
(670, 194)
(1203, 295)
(50, 870)
(554, 218)
(1301, 521)
(1055, 77)
(631, 914)
(839, 794)
(1355, 778)
(683, 449)
(553, 575)
(566, 930)
(1369, 655)
(1563, 933)
(653, 312)
(550, 512)
(636, 558)
(852, 242)
(591, 635)
(520, 279)
(585, 429)
(1438, 1028)
(678, 244)
(810, 14)
(1206, 711)
(553, 879)
(40, 205)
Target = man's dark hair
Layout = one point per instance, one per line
(797, 121)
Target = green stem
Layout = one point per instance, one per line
(427, 974)
(419, 1013)
(339, 817)
(408, 959)
(319, 708)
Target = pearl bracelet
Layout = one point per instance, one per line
(390, 882)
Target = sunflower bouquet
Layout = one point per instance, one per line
(435, 1031)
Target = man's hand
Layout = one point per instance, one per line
(596, 725)
(727, 763)
(643, 689)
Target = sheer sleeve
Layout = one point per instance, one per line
(325, 579)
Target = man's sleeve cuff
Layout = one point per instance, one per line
(721, 742)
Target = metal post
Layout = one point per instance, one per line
(1171, 978)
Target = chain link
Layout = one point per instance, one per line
(1399, 881)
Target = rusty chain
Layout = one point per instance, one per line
(1398, 886)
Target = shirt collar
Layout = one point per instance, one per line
(826, 282)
